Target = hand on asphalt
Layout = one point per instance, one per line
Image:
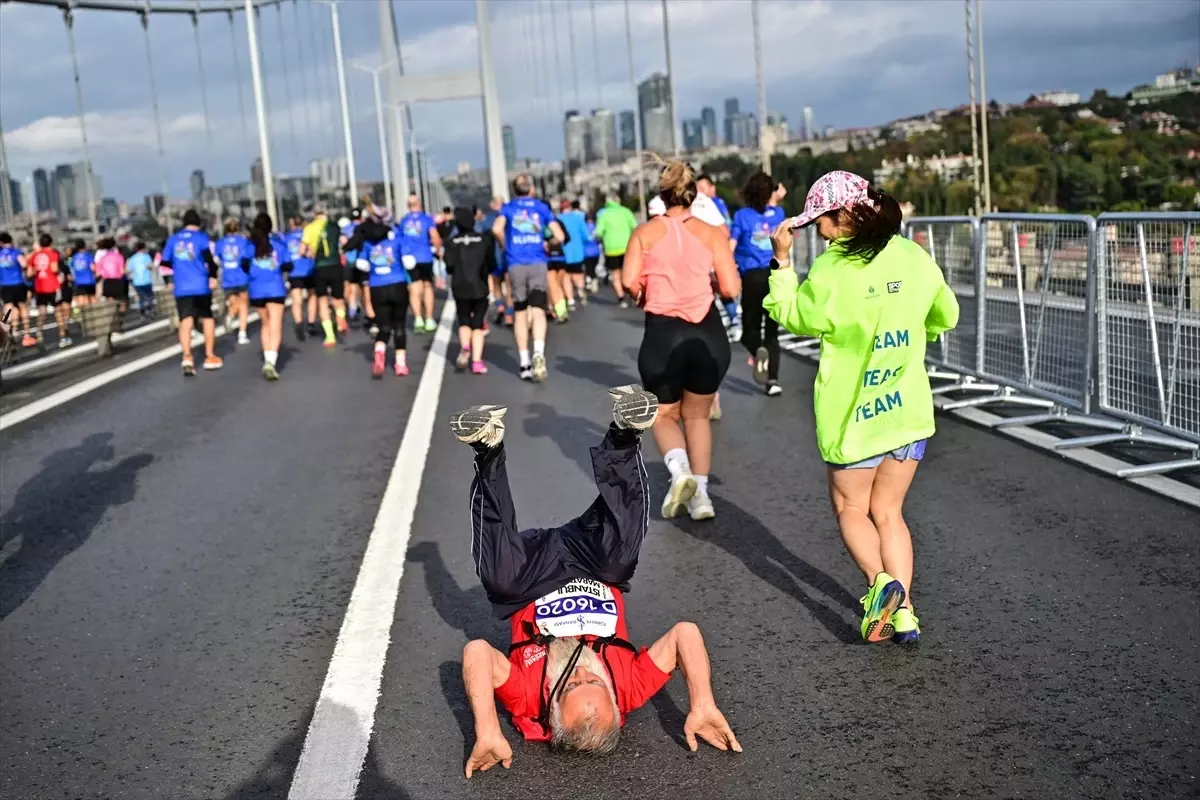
(709, 724)
(488, 752)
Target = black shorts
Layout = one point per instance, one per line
(421, 271)
(198, 306)
(45, 299)
(614, 262)
(355, 275)
(263, 302)
(390, 304)
(329, 281)
(556, 266)
(234, 291)
(589, 265)
(472, 312)
(116, 288)
(65, 293)
(678, 356)
(301, 282)
(14, 295)
(575, 269)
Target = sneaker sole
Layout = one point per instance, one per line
(211, 367)
(879, 628)
(762, 362)
(677, 498)
(189, 372)
(270, 374)
(634, 406)
(906, 639)
(468, 426)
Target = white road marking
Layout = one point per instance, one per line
(76, 390)
(336, 745)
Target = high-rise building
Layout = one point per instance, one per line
(197, 185)
(41, 190)
(708, 123)
(657, 133)
(603, 136)
(653, 93)
(810, 131)
(155, 203)
(331, 173)
(510, 148)
(10, 200)
(108, 212)
(628, 126)
(693, 135)
(575, 139)
(69, 185)
(16, 199)
(256, 172)
(731, 111)
(743, 130)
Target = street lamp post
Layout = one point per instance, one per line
(983, 113)
(341, 80)
(383, 142)
(264, 141)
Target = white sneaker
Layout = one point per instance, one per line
(682, 489)
(526, 373)
(482, 424)
(539, 368)
(634, 409)
(700, 506)
(243, 338)
(735, 333)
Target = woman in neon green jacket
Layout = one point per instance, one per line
(874, 298)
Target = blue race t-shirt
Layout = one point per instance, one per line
(752, 233)
(83, 268)
(182, 253)
(384, 257)
(348, 232)
(591, 248)
(230, 250)
(141, 268)
(724, 209)
(413, 230)
(266, 272)
(575, 225)
(301, 267)
(525, 220)
(10, 267)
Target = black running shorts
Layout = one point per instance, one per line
(471, 313)
(14, 295)
(421, 271)
(198, 306)
(678, 356)
(329, 281)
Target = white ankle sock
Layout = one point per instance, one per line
(524, 358)
(701, 484)
(539, 348)
(270, 356)
(677, 461)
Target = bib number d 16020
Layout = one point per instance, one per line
(583, 607)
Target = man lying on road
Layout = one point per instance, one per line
(570, 676)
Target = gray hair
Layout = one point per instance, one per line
(590, 735)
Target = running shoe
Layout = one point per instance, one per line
(329, 343)
(431, 325)
(479, 425)
(624, 303)
(28, 341)
(571, 304)
(299, 332)
(583, 298)
(508, 320)
(314, 330)
(189, 368)
(64, 342)
(634, 409)
(880, 602)
(700, 506)
(378, 362)
(906, 628)
(681, 490)
(714, 411)
(539, 368)
(213, 362)
(735, 333)
(526, 373)
(478, 368)
(774, 389)
(762, 362)
(269, 372)
(419, 325)
(463, 360)
(401, 369)
(243, 338)
(342, 325)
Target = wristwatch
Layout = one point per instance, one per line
(777, 264)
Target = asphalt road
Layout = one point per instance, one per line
(177, 558)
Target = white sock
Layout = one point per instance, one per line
(677, 462)
(539, 348)
(524, 355)
(270, 355)
(701, 484)
(381, 347)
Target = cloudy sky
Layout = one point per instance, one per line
(855, 62)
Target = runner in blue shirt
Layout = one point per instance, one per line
(383, 251)
(188, 253)
(14, 292)
(82, 264)
(419, 240)
(591, 255)
(751, 232)
(574, 250)
(141, 275)
(301, 281)
(498, 283)
(231, 250)
(266, 264)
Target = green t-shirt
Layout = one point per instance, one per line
(872, 393)
(614, 228)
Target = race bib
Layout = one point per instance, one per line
(583, 607)
(408, 261)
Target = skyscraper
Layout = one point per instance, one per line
(603, 136)
(708, 121)
(62, 189)
(743, 130)
(731, 111)
(654, 93)
(197, 185)
(657, 133)
(628, 127)
(510, 148)
(14, 192)
(256, 172)
(693, 135)
(810, 132)
(41, 190)
(575, 139)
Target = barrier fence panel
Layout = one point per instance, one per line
(1148, 321)
(952, 243)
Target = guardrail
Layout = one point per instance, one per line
(1094, 320)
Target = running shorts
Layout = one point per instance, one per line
(575, 269)
(233, 291)
(263, 302)
(116, 288)
(198, 306)
(65, 293)
(914, 451)
(354, 275)
(421, 271)
(302, 282)
(14, 295)
(526, 279)
(590, 264)
(390, 304)
(556, 266)
(472, 312)
(329, 281)
(678, 356)
(45, 299)
(614, 262)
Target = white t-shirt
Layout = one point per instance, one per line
(705, 210)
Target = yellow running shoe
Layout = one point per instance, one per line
(906, 628)
(881, 601)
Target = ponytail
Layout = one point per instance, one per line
(260, 235)
(873, 223)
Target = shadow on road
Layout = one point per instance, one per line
(574, 436)
(466, 610)
(670, 716)
(601, 373)
(451, 678)
(56, 510)
(745, 538)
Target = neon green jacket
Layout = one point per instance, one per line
(614, 227)
(872, 393)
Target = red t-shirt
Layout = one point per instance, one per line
(44, 262)
(635, 678)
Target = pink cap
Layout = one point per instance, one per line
(833, 190)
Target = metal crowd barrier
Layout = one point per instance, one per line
(1094, 321)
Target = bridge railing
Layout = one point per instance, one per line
(1094, 320)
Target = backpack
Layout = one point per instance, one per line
(326, 254)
